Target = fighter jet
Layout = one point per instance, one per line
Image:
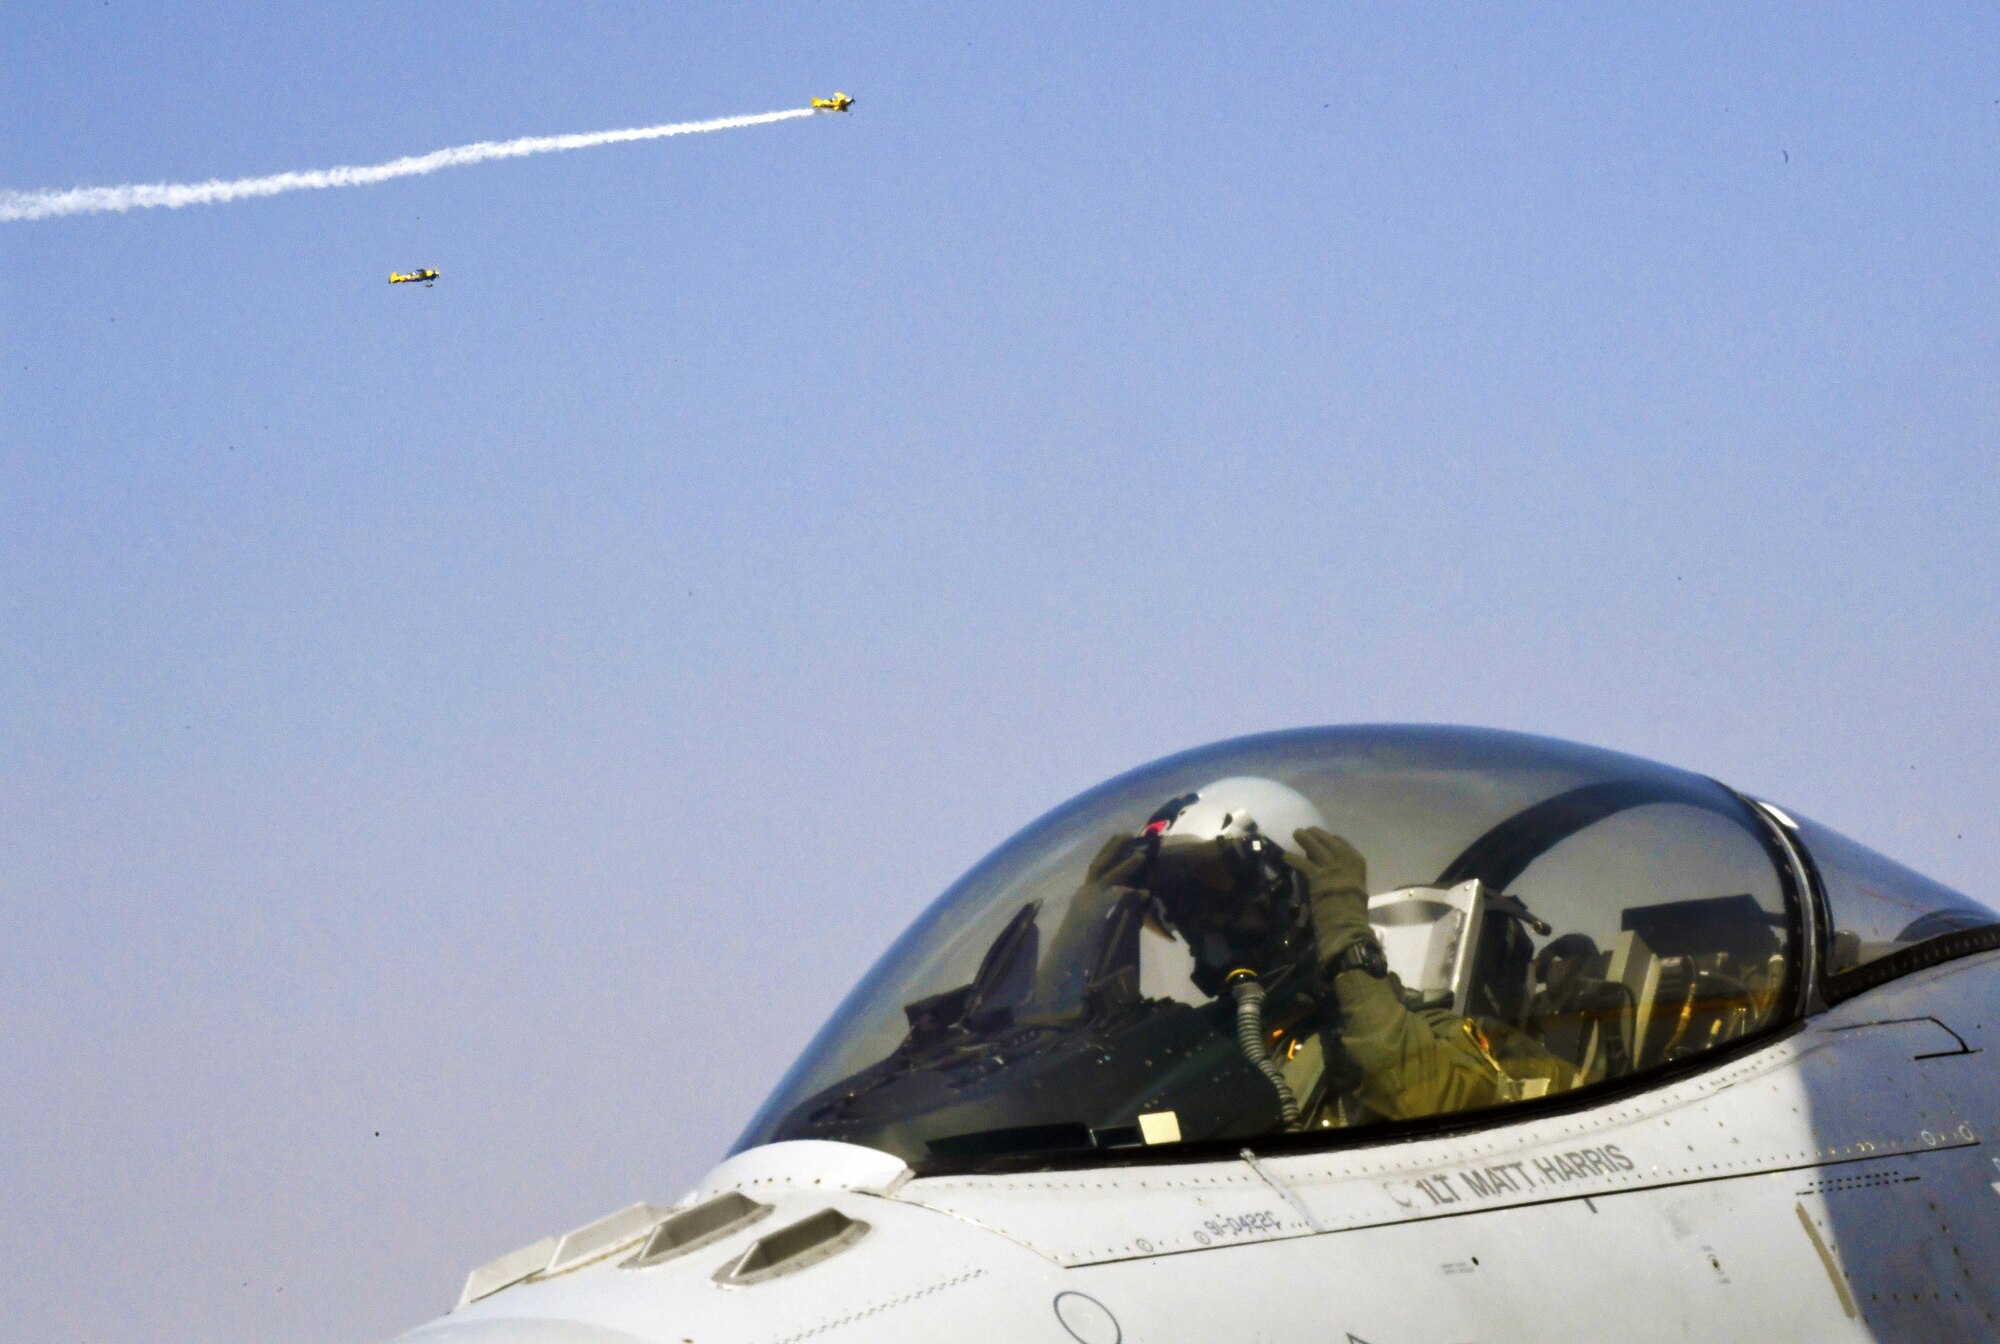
(840, 102)
(428, 278)
(1373, 1034)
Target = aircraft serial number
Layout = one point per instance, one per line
(1242, 1224)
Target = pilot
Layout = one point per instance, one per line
(1412, 1063)
(1292, 919)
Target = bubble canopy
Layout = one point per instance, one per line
(1540, 918)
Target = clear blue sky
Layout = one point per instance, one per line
(507, 716)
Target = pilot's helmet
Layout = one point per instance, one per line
(1218, 867)
(1237, 813)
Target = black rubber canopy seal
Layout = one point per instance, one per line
(1935, 952)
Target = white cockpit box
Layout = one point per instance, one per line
(1429, 936)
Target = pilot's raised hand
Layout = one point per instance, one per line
(1118, 860)
(1337, 882)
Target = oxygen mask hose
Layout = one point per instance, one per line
(1250, 1038)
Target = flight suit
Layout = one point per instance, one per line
(1412, 1064)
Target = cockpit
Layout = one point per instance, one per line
(1317, 932)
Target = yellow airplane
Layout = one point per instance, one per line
(840, 102)
(427, 277)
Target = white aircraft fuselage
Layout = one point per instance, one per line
(1829, 1177)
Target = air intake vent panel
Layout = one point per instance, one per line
(507, 1271)
(792, 1248)
(709, 1221)
(596, 1240)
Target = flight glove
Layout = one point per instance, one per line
(1117, 861)
(1337, 883)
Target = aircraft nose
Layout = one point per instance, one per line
(517, 1332)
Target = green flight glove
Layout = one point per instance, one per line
(1337, 882)
(1117, 860)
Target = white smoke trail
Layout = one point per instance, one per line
(92, 200)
